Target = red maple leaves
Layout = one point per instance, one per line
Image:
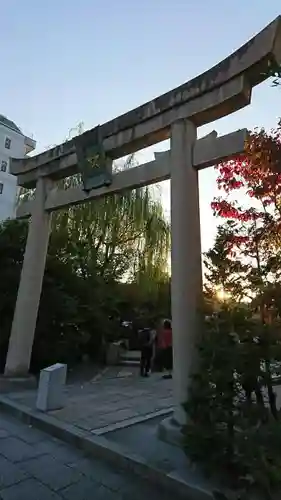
(228, 210)
(257, 175)
(257, 172)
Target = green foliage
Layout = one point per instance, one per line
(66, 315)
(232, 430)
(235, 423)
(223, 270)
(118, 237)
(12, 243)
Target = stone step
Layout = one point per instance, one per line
(132, 362)
(131, 356)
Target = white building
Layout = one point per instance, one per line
(13, 144)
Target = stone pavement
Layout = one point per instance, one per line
(143, 439)
(34, 466)
(115, 416)
(117, 397)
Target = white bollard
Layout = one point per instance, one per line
(50, 390)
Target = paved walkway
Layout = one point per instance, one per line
(117, 397)
(34, 466)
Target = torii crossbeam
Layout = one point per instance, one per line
(208, 151)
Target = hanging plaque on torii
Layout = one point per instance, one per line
(93, 164)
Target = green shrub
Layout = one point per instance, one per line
(233, 431)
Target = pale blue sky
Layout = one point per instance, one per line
(66, 61)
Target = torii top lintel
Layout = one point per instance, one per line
(219, 91)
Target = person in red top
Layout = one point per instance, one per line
(165, 343)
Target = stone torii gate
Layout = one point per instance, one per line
(177, 114)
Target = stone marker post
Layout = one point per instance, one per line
(50, 389)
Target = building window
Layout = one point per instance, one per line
(4, 165)
(8, 143)
(1, 187)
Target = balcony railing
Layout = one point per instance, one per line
(30, 144)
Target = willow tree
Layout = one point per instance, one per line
(121, 237)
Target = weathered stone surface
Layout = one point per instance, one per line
(15, 384)
(113, 353)
(68, 476)
(30, 286)
(50, 389)
(10, 474)
(16, 450)
(85, 488)
(51, 472)
(28, 490)
(208, 151)
(109, 400)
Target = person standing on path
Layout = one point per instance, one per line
(165, 343)
(147, 338)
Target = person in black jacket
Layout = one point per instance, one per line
(146, 338)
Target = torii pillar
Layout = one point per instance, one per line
(187, 289)
(29, 292)
(186, 258)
